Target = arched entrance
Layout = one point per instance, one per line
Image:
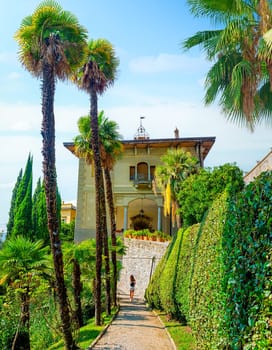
(143, 214)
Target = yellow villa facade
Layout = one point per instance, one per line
(132, 176)
(68, 212)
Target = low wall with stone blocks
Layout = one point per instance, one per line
(140, 260)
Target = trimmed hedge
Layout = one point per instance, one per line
(152, 293)
(185, 271)
(217, 276)
(206, 297)
(248, 266)
(168, 278)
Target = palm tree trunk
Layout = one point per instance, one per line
(77, 287)
(106, 251)
(50, 182)
(113, 232)
(22, 338)
(98, 196)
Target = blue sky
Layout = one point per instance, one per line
(156, 79)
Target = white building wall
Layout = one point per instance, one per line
(264, 165)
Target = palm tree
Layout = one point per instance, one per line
(242, 72)
(177, 165)
(97, 74)
(81, 256)
(22, 263)
(51, 46)
(110, 149)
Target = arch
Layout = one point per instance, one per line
(142, 213)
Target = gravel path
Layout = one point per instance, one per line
(135, 328)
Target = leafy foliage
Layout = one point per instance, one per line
(67, 231)
(168, 278)
(248, 243)
(185, 271)
(240, 77)
(198, 191)
(22, 224)
(39, 214)
(206, 295)
(152, 293)
(10, 223)
(177, 165)
(223, 280)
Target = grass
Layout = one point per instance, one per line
(181, 335)
(87, 334)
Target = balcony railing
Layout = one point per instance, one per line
(142, 181)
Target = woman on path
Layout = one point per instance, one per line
(132, 287)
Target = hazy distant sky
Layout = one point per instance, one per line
(156, 79)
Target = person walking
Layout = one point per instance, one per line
(132, 287)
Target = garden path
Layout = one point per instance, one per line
(135, 327)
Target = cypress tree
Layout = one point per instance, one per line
(23, 204)
(10, 223)
(39, 215)
(27, 215)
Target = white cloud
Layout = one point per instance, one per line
(8, 57)
(19, 117)
(20, 134)
(167, 63)
(22, 117)
(232, 145)
(14, 76)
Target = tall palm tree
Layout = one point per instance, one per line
(111, 149)
(84, 148)
(52, 45)
(242, 72)
(22, 263)
(97, 74)
(177, 165)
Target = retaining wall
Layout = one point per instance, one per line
(140, 260)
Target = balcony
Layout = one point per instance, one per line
(142, 182)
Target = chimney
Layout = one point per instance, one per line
(176, 132)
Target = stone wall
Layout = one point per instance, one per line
(140, 260)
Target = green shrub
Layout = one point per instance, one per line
(184, 271)
(198, 191)
(9, 318)
(152, 293)
(168, 278)
(206, 297)
(248, 274)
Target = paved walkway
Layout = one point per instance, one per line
(134, 328)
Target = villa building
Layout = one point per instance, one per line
(68, 212)
(132, 176)
(263, 165)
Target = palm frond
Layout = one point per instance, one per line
(50, 21)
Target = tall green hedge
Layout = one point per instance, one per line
(206, 297)
(168, 276)
(248, 275)
(217, 276)
(185, 272)
(152, 293)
